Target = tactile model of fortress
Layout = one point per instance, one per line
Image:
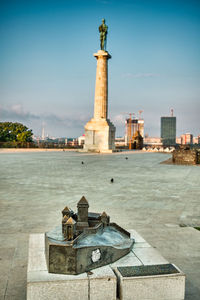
(85, 241)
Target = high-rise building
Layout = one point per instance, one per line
(168, 130)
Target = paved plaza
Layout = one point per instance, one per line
(160, 201)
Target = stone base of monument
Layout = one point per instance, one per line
(99, 136)
(142, 274)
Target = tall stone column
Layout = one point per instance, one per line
(99, 131)
(101, 89)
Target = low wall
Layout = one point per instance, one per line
(186, 156)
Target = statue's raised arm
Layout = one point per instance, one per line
(103, 29)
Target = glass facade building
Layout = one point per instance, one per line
(168, 131)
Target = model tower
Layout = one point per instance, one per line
(99, 131)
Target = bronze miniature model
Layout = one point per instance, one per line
(103, 29)
(85, 241)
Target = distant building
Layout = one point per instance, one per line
(168, 130)
(141, 127)
(72, 142)
(154, 141)
(187, 139)
(134, 127)
(43, 134)
(81, 140)
(196, 140)
(61, 140)
(119, 141)
(137, 141)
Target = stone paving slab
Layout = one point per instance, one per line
(136, 236)
(36, 241)
(139, 241)
(149, 256)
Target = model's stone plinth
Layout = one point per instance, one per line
(41, 285)
(99, 131)
(152, 277)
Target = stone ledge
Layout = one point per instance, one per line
(127, 260)
(149, 256)
(74, 289)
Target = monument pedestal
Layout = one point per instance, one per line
(99, 136)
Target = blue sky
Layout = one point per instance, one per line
(47, 68)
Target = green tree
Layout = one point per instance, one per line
(15, 132)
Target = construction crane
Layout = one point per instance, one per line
(140, 112)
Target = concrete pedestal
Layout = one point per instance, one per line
(105, 283)
(99, 284)
(99, 136)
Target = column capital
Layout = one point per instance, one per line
(102, 53)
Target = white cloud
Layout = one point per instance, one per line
(15, 112)
(55, 123)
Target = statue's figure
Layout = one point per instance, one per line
(103, 28)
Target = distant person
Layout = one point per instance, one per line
(82, 163)
(111, 180)
(126, 157)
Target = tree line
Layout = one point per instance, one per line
(14, 135)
